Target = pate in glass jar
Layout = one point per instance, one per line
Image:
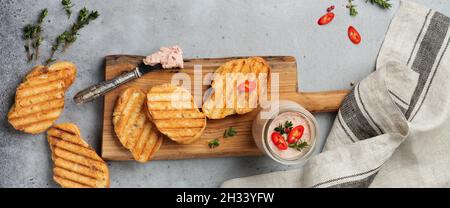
(285, 132)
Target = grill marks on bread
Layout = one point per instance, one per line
(175, 114)
(225, 98)
(75, 163)
(133, 127)
(39, 99)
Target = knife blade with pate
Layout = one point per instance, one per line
(95, 91)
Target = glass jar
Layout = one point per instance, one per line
(261, 131)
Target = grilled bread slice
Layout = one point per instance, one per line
(236, 87)
(133, 127)
(39, 98)
(75, 163)
(175, 114)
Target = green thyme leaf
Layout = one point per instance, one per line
(67, 6)
(230, 132)
(299, 146)
(288, 124)
(214, 143)
(302, 145)
(280, 129)
(352, 8)
(42, 16)
(27, 31)
(353, 11)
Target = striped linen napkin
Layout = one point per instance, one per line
(393, 129)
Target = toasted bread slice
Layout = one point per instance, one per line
(175, 114)
(227, 96)
(75, 163)
(40, 97)
(133, 127)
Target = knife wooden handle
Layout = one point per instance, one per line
(317, 102)
(95, 91)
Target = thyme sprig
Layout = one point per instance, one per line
(68, 37)
(67, 6)
(352, 8)
(28, 32)
(38, 38)
(299, 146)
(384, 4)
(32, 36)
(282, 128)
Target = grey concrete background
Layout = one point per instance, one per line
(204, 28)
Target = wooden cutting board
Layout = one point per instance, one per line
(240, 145)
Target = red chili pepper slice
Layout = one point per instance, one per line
(247, 86)
(295, 134)
(325, 19)
(354, 35)
(279, 141)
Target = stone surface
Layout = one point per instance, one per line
(327, 60)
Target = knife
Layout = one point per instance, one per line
(95, 91)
